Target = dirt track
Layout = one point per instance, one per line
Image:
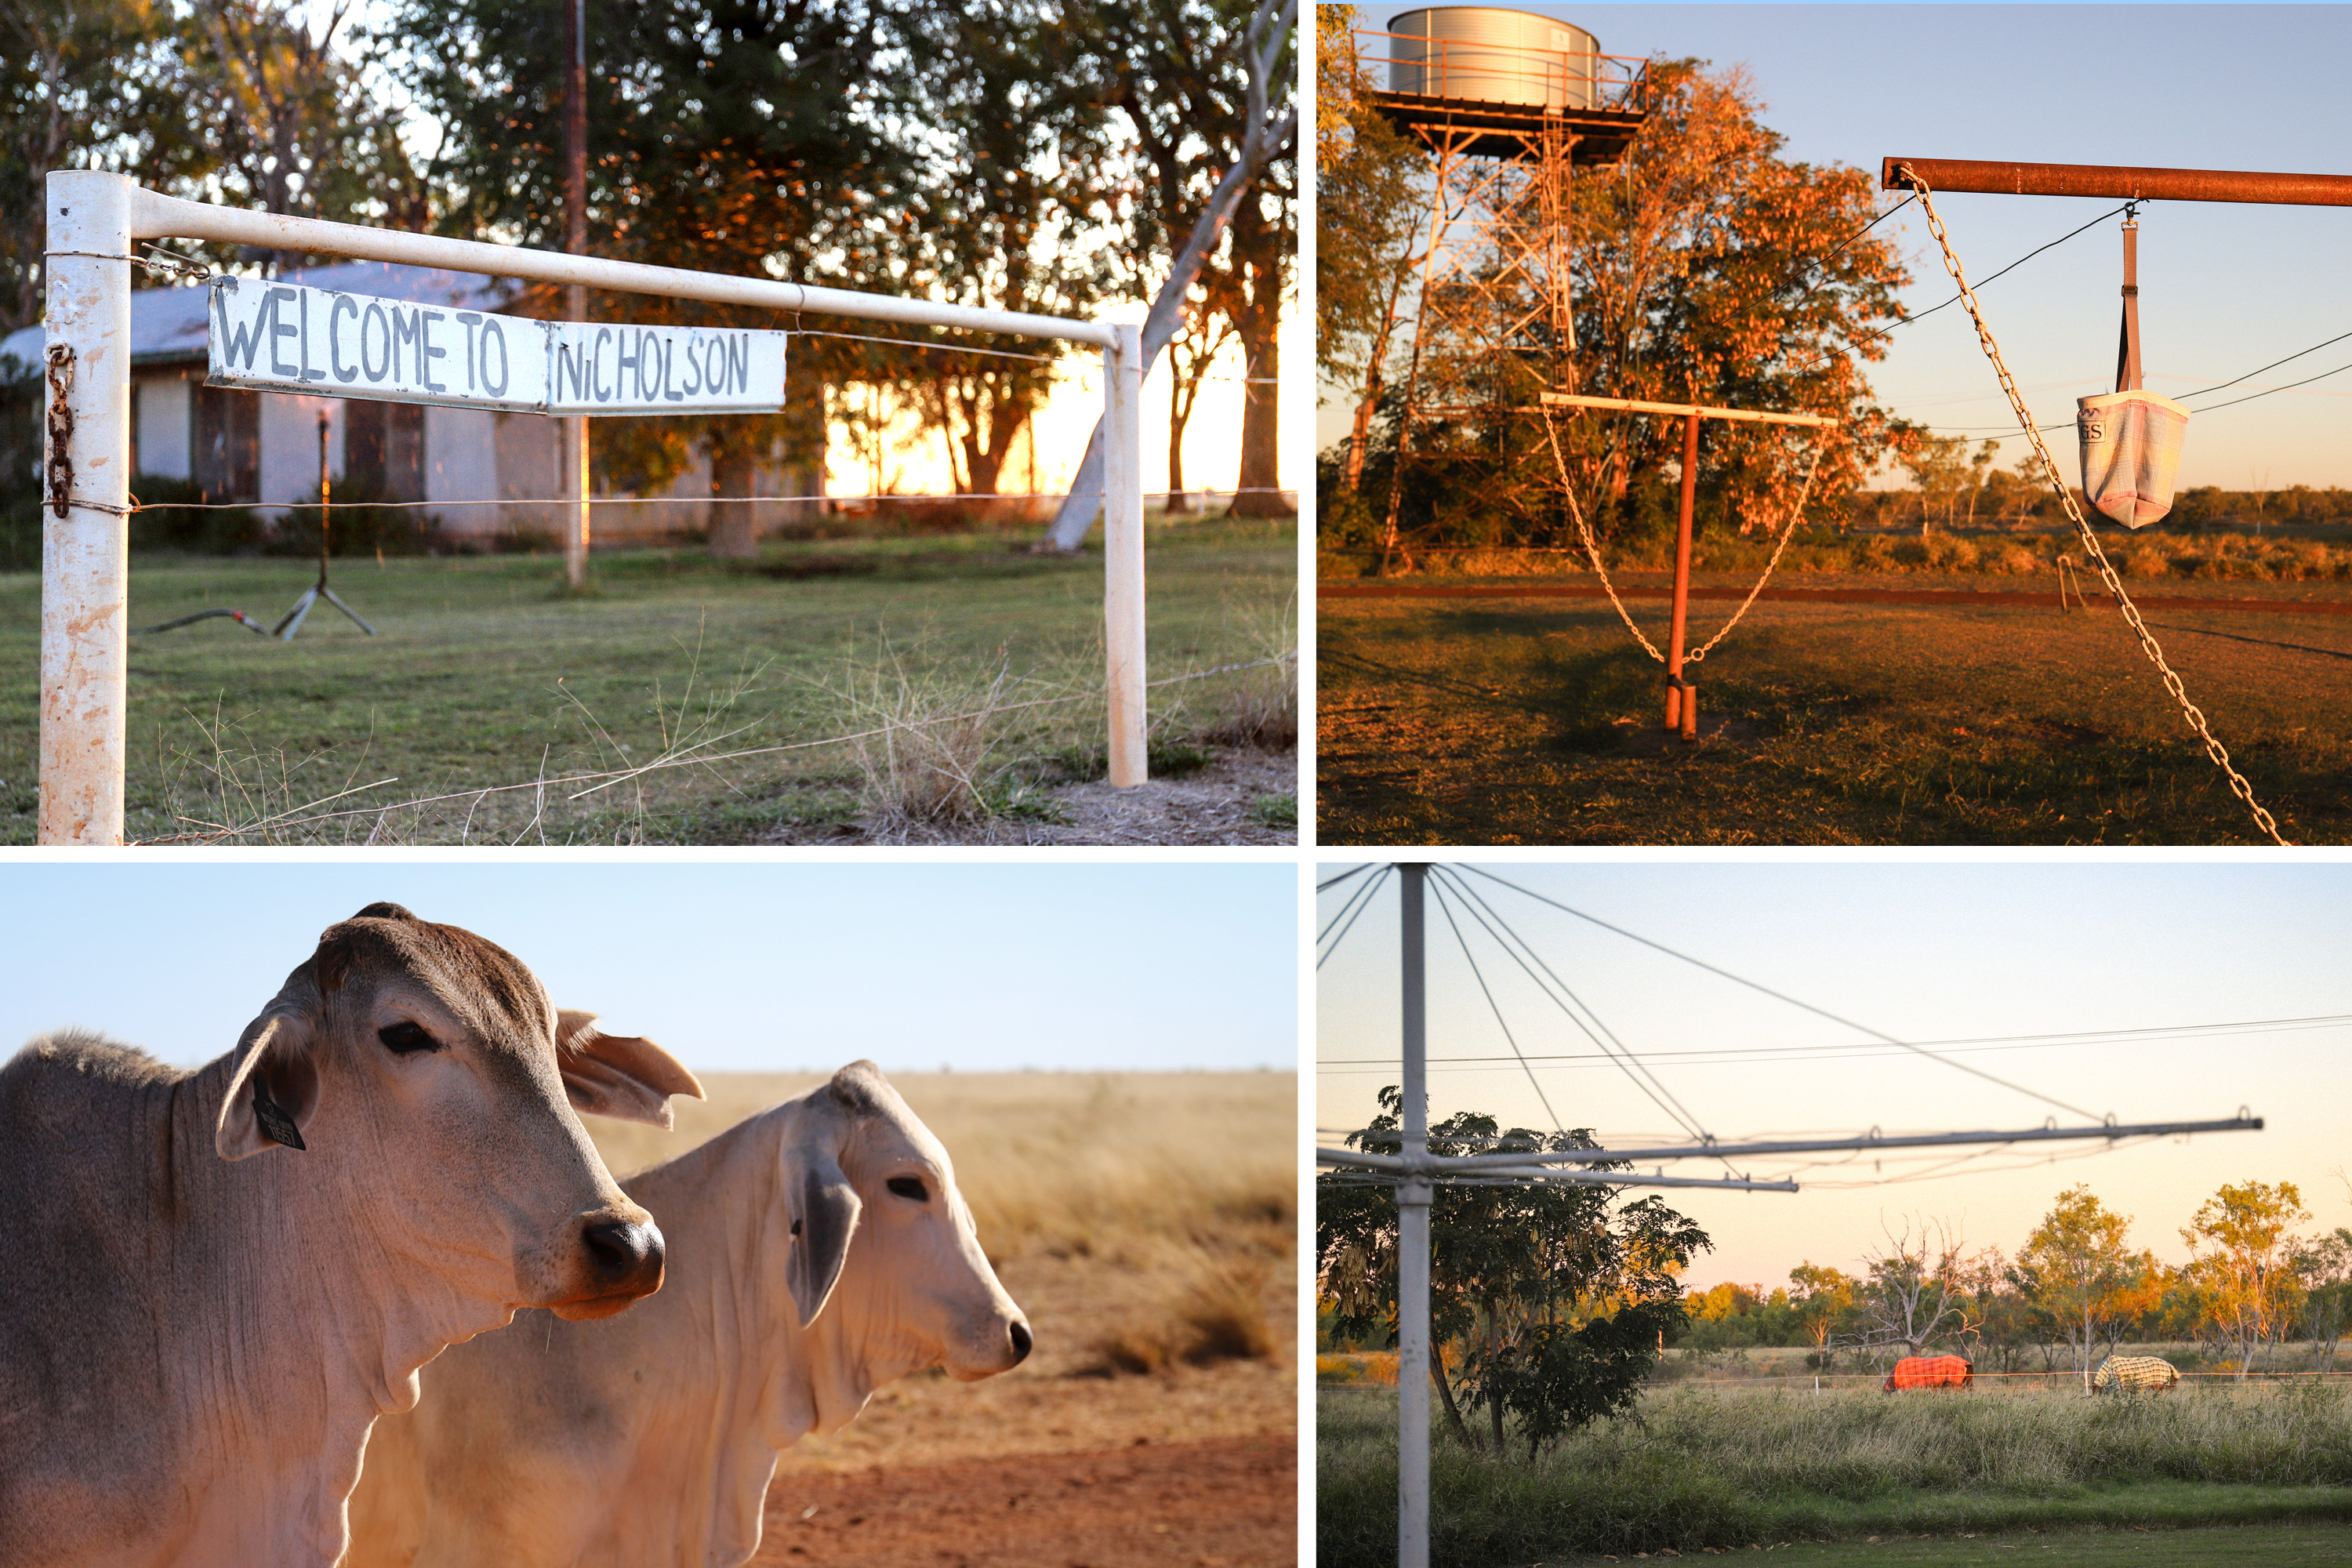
(1987, 599)
(1223, 1503)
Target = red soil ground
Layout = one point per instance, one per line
(1221, 1503)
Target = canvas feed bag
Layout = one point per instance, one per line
(2131, 450)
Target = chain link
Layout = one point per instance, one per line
(2108, 575)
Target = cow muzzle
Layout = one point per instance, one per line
(1000, 1346)
(618, 1261)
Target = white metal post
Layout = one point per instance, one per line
(575, 484)
(85, 518)
(1413, 1246)
(1123, 551)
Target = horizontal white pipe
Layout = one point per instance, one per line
(157, 217)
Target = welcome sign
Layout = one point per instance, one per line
(284, 337)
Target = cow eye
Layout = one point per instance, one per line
(405, 1040)
(909, 1187)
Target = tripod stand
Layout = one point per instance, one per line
(292, 621)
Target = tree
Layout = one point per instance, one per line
(2240, 1264)
(1368, 197)
(1914, 1290)
(1824, 1298)
(1007, 210)
(2078, 1268)
(1708, 270)
(1190, 353)
(723, 135)
(1181, 72)
(2323, 1266)
(1558, 1295)
(1939, 468)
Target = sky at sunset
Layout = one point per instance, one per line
(2225, 287)
(2122, 955)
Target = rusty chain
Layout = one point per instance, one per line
(1795, 516)
(1592, 550)
(60, 429)
(2108, 575)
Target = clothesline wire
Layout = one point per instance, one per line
(1955, 300)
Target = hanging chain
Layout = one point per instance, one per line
(2213, 748)
(1795, 517)
(1593, 549)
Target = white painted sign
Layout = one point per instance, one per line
(283, 337)
(595, 368)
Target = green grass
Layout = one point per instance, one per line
(1695, 1470)
(488, 674)
(1497, 722)
(2229, 1546)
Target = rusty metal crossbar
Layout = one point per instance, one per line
(2112, 182)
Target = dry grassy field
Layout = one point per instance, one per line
(1501, 721)
(1145, 1222)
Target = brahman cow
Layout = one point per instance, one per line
(1929, 1371)
(817, 1251)
(212, 1282)
(2136, 1373)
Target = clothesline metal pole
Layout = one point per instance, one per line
(94, 218)
(1412, 1238)
(1682, 697)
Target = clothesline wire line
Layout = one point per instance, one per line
(1955, 300)
(1783, 996)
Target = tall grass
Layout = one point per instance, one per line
(1693, 1469)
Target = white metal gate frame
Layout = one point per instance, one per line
(95, 217)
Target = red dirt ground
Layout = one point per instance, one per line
(1225, 1503)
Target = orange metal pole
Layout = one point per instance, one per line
(1680, 713)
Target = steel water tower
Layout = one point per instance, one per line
(1507, 102)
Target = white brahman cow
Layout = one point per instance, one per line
(212, 1282)
(817, 1251)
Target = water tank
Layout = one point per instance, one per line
(1487, 54)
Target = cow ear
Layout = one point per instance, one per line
(618, 1076)
(824, 1209)
(273, 1089)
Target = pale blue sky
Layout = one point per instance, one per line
(762, 966)
(1939, 950)
(2225, 287)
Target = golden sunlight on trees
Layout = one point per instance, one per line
(2239, 1275)
(1707, 270)
(2078, 1271)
